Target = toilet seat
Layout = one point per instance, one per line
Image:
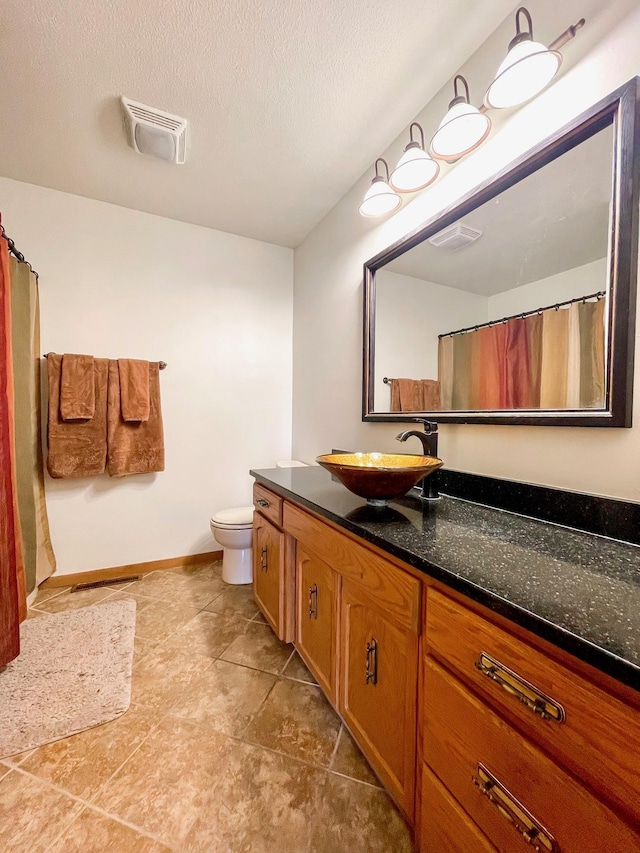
(236, 518)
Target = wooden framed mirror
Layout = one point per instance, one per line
(517, 305)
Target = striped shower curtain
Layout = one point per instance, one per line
(39, 560)
(553, 359)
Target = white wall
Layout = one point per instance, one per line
(217, 308)
(410, 314)
(328, 273)
(569, 284)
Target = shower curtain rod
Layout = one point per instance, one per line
(524, 314)
(161, 364)
(16, 254)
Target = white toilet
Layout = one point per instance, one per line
(231, 528)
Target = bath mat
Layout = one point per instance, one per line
(73, 673)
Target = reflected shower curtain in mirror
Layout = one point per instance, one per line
(39, 559)
(553, 359)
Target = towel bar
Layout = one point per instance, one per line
(161, 364)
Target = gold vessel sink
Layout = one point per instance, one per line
(379, 477)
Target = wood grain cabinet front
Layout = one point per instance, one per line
(378, 687)
(589, 731)
(518, 796)
(268, 572)
(317, 618)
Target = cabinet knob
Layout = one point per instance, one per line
(532, 698)
(264, 565)
(371, 673)
(262, 502)
(313, 601)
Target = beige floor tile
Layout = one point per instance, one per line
(162, 675)
(260, 802)
(49, 592)
(225, 697)
(32, 813)
(82, 763)
(73, 600)
(33, 613)
(235, 599)
(353, 816)
(4, 769)
(93, 832)
(142, 647)
(207, 634)
(163, 585)
(297, 720)
(168, 782)
(156, 619)
(349, 761)
(297, 668)
(207, 569)
(260, 617)
(259, 648)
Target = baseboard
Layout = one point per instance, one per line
(130, 569)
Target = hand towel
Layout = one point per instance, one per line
(77, 448)
(77, 387)
(135, 447)
(134, 389)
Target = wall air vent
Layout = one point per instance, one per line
(155, 132)
(455, 237)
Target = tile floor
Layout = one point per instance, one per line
(229, 745)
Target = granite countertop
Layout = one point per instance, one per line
(577, 590)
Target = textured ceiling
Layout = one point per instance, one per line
(289, 101)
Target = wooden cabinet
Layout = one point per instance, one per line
(446, 828)
(518, 747)
(378, 688)
(317, 619)
(268, 570)
(519, 797)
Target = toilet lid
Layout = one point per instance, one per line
(238, 516)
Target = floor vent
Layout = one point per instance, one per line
(79, 587)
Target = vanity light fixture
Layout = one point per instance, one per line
(380, 198)
(525, 71)
(416, 169)
(463, 128)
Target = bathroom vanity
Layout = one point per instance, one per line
(487, 664)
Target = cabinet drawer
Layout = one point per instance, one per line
(517, 788)
(385, 584)
(592, 733)
(445, 827)
(268, 504)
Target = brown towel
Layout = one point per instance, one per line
(134, 389)
(79, 448)
(135, 447)
(415, 395)
(77, 387)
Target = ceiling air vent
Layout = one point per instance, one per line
(455, 237)
(152, 131)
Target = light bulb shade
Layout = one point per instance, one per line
(415, 170)
(462, 129)
(379, 199)
(525, 71)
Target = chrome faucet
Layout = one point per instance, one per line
(429, 440)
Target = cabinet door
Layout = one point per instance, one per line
(317, 618)
(268, 571)
(378, 690)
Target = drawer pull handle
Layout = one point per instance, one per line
(371, 675)
(541, 704)
(532, 831)
(262, 502)
(313, 601)
(264, 565)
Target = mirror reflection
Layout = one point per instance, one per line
(506, 309)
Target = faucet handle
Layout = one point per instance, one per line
(429, 426)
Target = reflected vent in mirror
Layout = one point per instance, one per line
(455, 237)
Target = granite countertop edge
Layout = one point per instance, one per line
(601, 658)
